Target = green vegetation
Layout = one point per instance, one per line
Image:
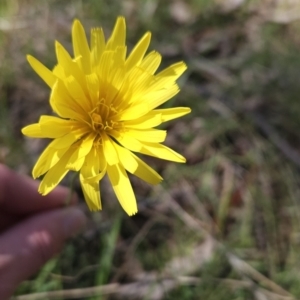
(226, 224)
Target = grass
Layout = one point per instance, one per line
(240, 186)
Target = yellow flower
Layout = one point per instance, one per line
(106, 105)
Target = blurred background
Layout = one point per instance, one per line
(223, 226)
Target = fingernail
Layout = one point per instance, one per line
(74, 221)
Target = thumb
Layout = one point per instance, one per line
(25, 248)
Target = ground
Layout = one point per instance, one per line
(225, 225)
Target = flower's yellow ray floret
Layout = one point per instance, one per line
(138, 52)
(106, 105)
(42, 71)
(122, 187)
(81, 47)
(33, 130)
(91, 189)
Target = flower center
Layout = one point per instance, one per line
(101, 117)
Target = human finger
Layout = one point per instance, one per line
(25, 248)
(19, 194)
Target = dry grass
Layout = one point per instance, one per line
(226, 224)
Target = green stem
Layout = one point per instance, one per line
(71, 192)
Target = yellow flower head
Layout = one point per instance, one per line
(106, 105)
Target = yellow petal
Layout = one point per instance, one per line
(53, 127)
(55, 174)
(150, 135)
(127, 141)
(83, 149)
(148, 121)
(81, 47)
(151, 62)
(93, 84)
(133, 88)
(155, 118)
(63, 104)
(152, 149)
(97, 177)
(109, 151)
(157, 98)
(96, 164)
(42, 71)
(168, 114)
(104, 67)
(120, 56)
(139, 81)
(158, 84)
(118, 35)
(162, 152)
(54, 152)
(33, 130)
(77, 94)
(97, 45)
(91, 192)
(47, 160)
(116, 82)
(173, 71)
(138, 52)
(66, 140)
(59, 72)
(91, 165)
(91, 189)
(132, 112)
(122, 187)
(136, 166)
(69, 66)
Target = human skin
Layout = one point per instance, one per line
(33, 228)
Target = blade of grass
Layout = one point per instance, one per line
(106, 258)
